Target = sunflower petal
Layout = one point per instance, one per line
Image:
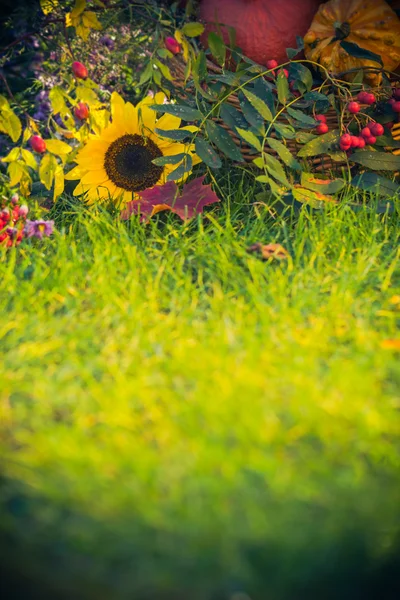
(168, 122)
(131, 118)
(94, 178)
(117, 109)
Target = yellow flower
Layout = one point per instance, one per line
(117, 162)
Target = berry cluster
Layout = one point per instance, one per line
(12, 222)
(367, 135)
(14, 226)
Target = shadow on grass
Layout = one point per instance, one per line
(49, 552)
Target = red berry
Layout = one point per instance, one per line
(366, 132)
(361, 142)
(377, 129)
(396, 93)
(346, 139)
(321, 118)
(172, 45)
(353, 108)
(355, 141)
(389, 126)
(371, 140)
(369, 99)
(392, 101)
(79, 70)
(38, 144)
(361, 96)
(81, 111)
(272, 64)
(23, 210)
(284, 71)
(344, 147)
(396, 106)
(322, 128)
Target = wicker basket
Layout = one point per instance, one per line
(321, 163)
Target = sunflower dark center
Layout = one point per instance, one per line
(128, 163)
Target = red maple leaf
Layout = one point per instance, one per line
(194, 197)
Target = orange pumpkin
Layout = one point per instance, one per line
(371, 24)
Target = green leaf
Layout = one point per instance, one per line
(251, 115)
(285, 131)
(358, 52)
(200, 66)
(58, 182)
(166, 73)
(147, 74)
(161, 161)
(259, 105)
(192, 29)
(377, 161)
(221, 138)
(282, 86)
(178, 135)
(207, 153)
(250, 138)
(284, 153)
(217, 47)
(325, 186)
(323, 144)
(232, 117)
(301, 117)
(387, 141)
(178, 173)
(48, 6)
(376, 184)
(275, 169)
(186, 113)
(302, 75)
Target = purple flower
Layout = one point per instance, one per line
(107, 41)
(38, 228)
(43, 95)
(39, 115)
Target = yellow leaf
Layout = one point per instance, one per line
(10, 124)
(58, 182)
(48, 6)
(78, 9)
(314, 199)
(15, 171)
(58, 147)
(12, 155)
(4, 103)
(68, 20)
(26, 184)
(99, 119)
(47, 169)
(29, 158)
(83, 32)
(86, 95)
(57, 100)
(90, 20)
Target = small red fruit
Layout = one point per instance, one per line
(172, 45)
(361, 142)
(38, 144)
(344, 147)
(377, 129)
(355, 141)
(346, 139)
(284, 71)
(272, 64)
(322, 128)
(396, 106)
(366, 132)
(389, 126)
(353, 108)
(369, 99)
(371, 140)
(81, 111)
(361, 96)
(392, 101)
(321, 118)
(79, 70)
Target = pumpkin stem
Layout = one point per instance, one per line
(342, 30)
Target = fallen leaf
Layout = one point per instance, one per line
(267, 251)
(194, 197)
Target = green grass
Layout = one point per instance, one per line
(180, 420)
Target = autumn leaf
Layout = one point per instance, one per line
(267, 251)
(194, 197)
(391, 344)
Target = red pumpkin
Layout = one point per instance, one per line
(264, 28)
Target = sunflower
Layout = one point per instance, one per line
(117, 162)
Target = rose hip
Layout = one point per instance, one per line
(353, 108)
(38, 144)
